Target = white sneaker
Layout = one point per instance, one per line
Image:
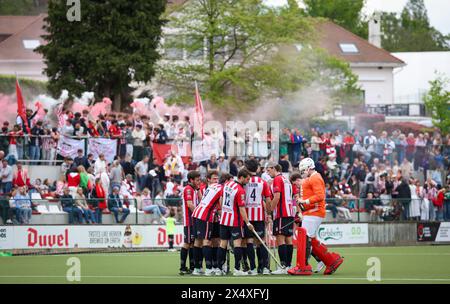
(221, 273)
(225, 269)
(280, 271)
(9, 221)
(266, 271)
(319, 267)
(239, 273)
(253, 272)
(209, 272)
(197, 272)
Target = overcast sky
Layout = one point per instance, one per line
(438, 10)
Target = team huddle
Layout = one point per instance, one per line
(228, 213)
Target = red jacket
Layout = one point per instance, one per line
(73, 179)
(21, 178)
(439, 200)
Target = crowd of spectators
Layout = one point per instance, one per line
(391, 176)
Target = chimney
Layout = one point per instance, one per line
(375, 29)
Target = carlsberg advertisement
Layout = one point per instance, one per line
(342, 234)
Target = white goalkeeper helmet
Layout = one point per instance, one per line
(305, 165)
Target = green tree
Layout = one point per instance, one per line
(240, 51)
(114, 44)
(346, 13)
(437, 102)
(411, 30)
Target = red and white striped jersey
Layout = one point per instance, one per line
(295, 190)
(208, 205)
(255, 192)
(233, 198)
(201, 190)
(283, 186)
(189, 194)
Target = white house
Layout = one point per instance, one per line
(374, 66)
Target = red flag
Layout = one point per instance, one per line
(162, 151)
(199, 110)
(21, 110)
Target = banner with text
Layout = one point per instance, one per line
(106, 146)
(443, 234)
(343, 234)
(68, 147)
(203, 149)
(146, 236)
(118, 236)
(433, 232)
(334, 234)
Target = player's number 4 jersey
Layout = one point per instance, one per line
(255, 192)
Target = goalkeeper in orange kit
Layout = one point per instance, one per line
(312, 201)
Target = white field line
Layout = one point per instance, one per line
(175, 253)
(228, 277)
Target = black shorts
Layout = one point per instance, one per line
(215, 233)
(260, 229)
(234, 233)
(283, 226)
(203, 229)
(189, 234)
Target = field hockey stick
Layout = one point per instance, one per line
(265, 246)
(290, 223)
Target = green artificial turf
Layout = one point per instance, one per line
(421, 264)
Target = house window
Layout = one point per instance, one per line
(348, 48)
(31, 44)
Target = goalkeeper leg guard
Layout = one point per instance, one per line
(308, 250)
(331, 260)
(301, 267)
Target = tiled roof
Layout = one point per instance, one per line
(24, 28)
(332, 35)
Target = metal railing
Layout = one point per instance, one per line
(386, 209)
(56, 211)
(242, 149)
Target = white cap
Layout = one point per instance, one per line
(370, 131)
